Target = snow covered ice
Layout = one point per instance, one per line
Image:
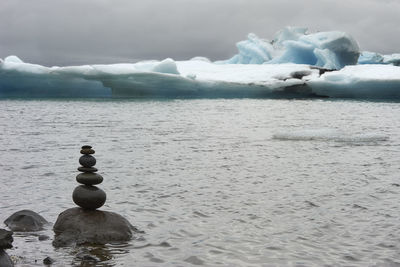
(293, 64)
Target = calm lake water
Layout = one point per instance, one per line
(213, 182)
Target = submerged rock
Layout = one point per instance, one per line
(25, 221)
(43, 237)
(5, 260)
(78, 226)
(48, 261)
(6, 239)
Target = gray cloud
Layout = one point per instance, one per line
(104, 31)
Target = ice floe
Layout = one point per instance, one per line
(295, 64)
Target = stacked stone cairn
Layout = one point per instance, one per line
(88, 196)
(86, 224)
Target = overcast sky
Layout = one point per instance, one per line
(62, 32)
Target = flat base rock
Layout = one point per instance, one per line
(5, 260)
(6, 239)
(25, 221)
(77, 226)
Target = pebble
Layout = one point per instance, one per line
(85, 169)
(87, 151)
(88, 178)
(89, 197)
(87, 161)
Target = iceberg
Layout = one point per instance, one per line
(293, 65)
(367, 57)
(197, 78)
(252, 51)
(393, 59)
(331, 50)
(360, 81)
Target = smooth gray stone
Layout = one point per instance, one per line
(89, 197)
(88, 178)
(25, 221)
(87, 161)
(5, 260)
(77, 226)
(6, 239)
(90, 169)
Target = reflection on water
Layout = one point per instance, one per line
(212, 182)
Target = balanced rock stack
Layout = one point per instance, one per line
(87, 195)
(87, 224)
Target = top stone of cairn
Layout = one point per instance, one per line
(87, 150)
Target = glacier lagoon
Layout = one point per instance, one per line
(212, 182)
(260, 159)
(295, 64)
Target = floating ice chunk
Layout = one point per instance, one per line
(367, 57)
(19, 79)
(326, 58)
(200, 59)
(296, 52)
(393, 59)
(359, 81)
(13, 64)
(332, 50)
(288, 34)
(166, 66)
(342, 45)
(252, 51)
(13, 59)
(201, 79)
(329, 135)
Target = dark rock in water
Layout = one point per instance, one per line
(43, 237)
(25, 221)
(5, 260)
(78, 226)
(48, 261)
(85, 256)
(6, 239)
(87, 161)
(89, 197)
(88, 178)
